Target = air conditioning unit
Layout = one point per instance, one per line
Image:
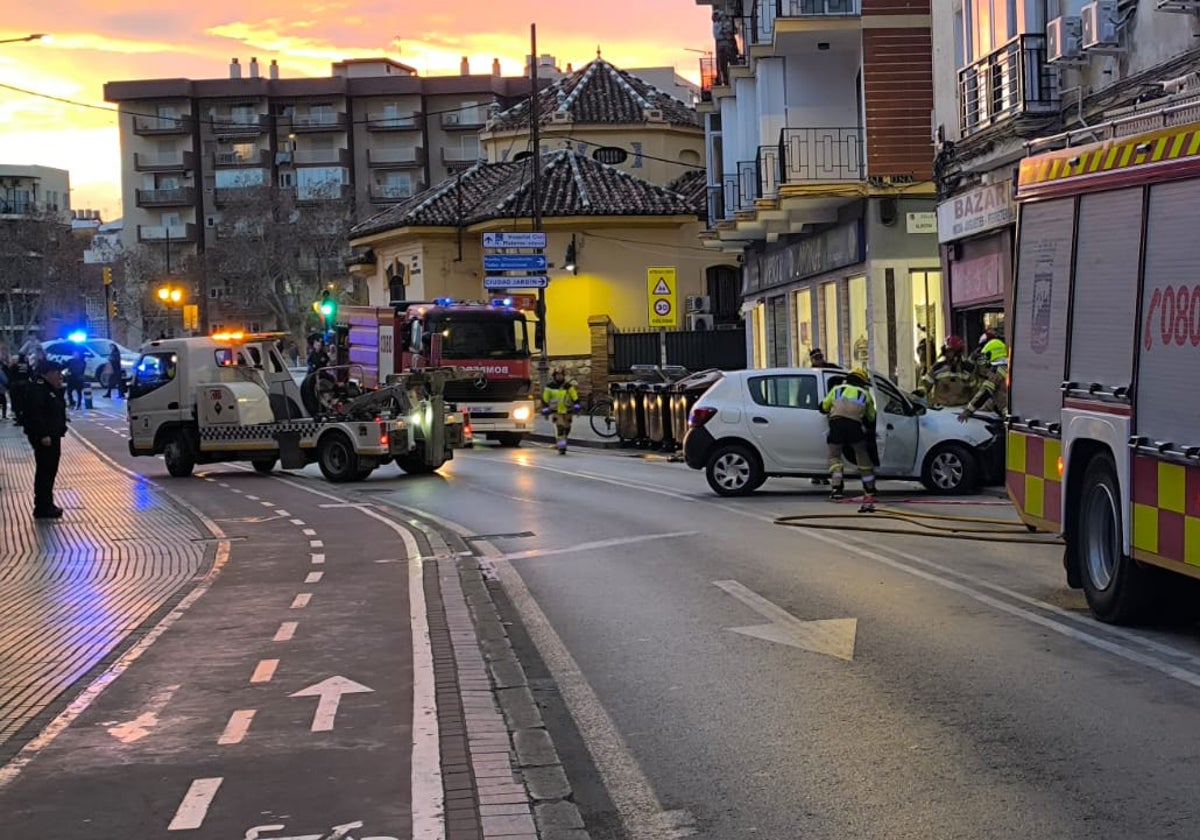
(1099, 29)
(283, 157)
(1064, 36)
(700, 321)
(697, 303)
(449, 119)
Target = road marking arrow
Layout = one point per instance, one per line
(831, 637)
(330, 692)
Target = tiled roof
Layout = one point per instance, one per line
(599, 93)
(693, 185)
(571, 185)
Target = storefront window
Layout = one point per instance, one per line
(831, 329)
(928, 329)
(804, 327)
(859, 344)
(760, 335)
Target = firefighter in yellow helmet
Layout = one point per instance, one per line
(851, 411)
(560, 401)
(991, 366)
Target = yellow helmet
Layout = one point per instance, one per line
(861, 374)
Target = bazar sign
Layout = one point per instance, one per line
(973, 212)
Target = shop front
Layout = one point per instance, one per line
(975, 232)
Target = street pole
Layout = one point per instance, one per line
(535, 137)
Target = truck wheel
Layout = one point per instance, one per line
(179, 455)
(363, 473)
(264, 465)
(413, 465)
(509, 439)
(1118, 588)
(337, 458)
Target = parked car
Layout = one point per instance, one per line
(752, 425)
(95, 355)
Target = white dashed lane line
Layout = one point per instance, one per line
(238, 726)
(315, 544)
(314, 577)
(318, 558)
(309, 532)
(286, 631)
(301, 600)
(265, 671)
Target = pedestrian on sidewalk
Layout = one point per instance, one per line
(45, 416)
(560, 399)
(3, 388)
(19, 374)
(76, 370)
(114, 371)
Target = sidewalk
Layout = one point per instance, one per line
(581, 434)
(74, 591)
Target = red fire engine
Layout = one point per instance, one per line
(1104, 437)
(488, 339)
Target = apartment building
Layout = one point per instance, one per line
(1007, 73)
(372, 134)
(820, 179)
(34, 191)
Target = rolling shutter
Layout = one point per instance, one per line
(1168, 396)
(1103, 328)
(1039, 340)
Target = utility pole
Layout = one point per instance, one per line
(536, 157)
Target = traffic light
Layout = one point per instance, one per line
(112, 309)
(107, 275)
(328, 309)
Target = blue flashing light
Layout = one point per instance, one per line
(443, 301)
(78, 337)
(502, 302)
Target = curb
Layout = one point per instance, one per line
(584, 443)
(534, 758)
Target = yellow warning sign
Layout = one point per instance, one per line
(663, 296)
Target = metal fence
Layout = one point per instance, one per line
(692, 349)
(1013, 81)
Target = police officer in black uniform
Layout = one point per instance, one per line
(45, 423)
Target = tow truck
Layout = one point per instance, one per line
(231, 397)
(487, 341)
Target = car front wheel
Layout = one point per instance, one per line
(733, 470)
(951, 470)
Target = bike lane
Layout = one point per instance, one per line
(278, 705)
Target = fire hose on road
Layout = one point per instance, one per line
(996, 530)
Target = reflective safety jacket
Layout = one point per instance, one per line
(560, 398)
(852, 402)
(996, 352)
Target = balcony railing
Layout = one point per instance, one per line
(247, 193)
(161, 233)
(816, 8)
(319, 122)
(467, 118)
(403, 157)
(162, 161)
(821, 154)
(162, 125)
(384, 193)
(175, 197)
(716, 205)
(708, 77)
(767, 165)
(258, 158)
(227, 124)
(459, 157)
(307, 157)
(1014, 81)
(395, 122)
(316, 193)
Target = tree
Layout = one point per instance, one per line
(276, 249)
(143, 268)
(40, 276)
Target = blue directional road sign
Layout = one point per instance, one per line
(534, 239)
(515, 262)
(530, 281)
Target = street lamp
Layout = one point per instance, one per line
(37, 36)
(171, 296)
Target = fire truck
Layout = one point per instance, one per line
(488, 341)
(1104, 433)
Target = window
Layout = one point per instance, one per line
(612, 155)
(830, 329)
(928, 330)
(287, 179)
(804, 327)
(860, 347)
(480, 336)
(785, 391)
(153, 371)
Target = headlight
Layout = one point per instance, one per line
(521, 413)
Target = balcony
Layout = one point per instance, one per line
(460, 157)
(805, 9)
(314, 157)
(157, 126)
(227, 125)
(175, 197)
(403, 158)
(467, 119)
(310, 123)
(246, 194)
(166, 233)
(1013, 82)
(708, 77)
(163, 161)
(259, 159)
(821, 155)
(318, 193)
(395, 122)
(769, 172)
(393, 193)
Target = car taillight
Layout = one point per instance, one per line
(700, 415)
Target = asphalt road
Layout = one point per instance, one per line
(964, 693)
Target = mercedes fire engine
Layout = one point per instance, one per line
(487, 341)
(1104, 434)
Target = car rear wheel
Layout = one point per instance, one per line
(733, 470)
(951, 470)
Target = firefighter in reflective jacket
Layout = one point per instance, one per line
(991, 366)
(560, 400)
(851, 411)
(951, 382)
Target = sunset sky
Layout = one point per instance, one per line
(112, 40)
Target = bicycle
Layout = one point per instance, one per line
(603, 416)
